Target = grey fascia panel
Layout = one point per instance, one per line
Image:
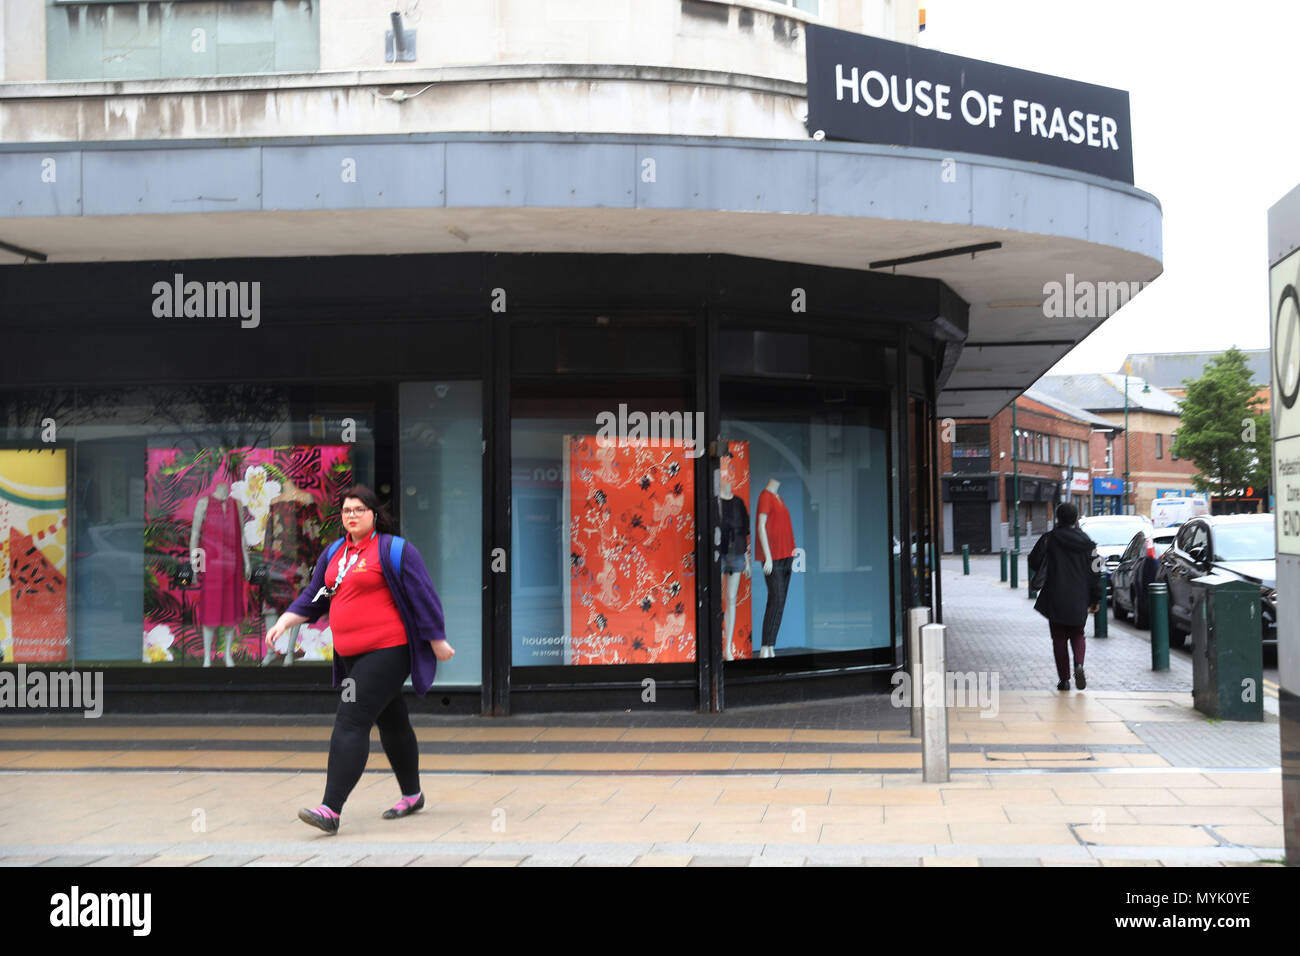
(1022, 202)
(727, 179)
(543, 175)
(1125, 221)
(25, 191)
(391, 176)
(154, 182)
(893, 187)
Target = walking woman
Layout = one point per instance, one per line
(387, 625)
(1070, 592)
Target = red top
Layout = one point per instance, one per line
(779, 533)
(363, 615)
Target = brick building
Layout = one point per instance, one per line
(1170, 370)
(1153, 418)
(1057, 446)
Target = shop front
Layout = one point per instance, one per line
(971, 512)
(1108, 496)
(658, 406)
(628, 492)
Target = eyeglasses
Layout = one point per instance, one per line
(348, 512)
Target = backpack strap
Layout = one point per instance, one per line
(333, 550)
(395, 546)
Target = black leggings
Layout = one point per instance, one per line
(778, 584)
(376, 698)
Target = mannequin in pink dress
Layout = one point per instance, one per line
(221, 562)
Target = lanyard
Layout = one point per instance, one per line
(345, 564)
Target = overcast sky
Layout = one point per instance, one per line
(1216, 138)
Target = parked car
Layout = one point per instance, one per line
(1135, 571)
(1112, 534)
(1239, 545)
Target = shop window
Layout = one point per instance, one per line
(191, 518)
(440, 443)
(807, 488)
(603, 527)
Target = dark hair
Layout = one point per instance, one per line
(1067, 514)
(384, 522)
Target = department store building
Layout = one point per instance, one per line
(612, 302)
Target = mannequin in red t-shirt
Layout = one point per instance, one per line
(776, 541)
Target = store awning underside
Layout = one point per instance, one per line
(829, 204)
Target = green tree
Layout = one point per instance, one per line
(1261, 475)
(1221, 433)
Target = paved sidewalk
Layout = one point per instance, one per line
(1124, 773)
(995, 629)
(186, 818)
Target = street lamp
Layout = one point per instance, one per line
(1146, 390)
(1126, 494)
(1015, 481)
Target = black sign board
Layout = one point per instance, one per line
(968, 489)
(877, 91)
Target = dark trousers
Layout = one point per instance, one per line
(1063, 635)
(376, 698)
(778, 585)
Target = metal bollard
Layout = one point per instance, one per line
(1100, 620)
(1004, 565)
(1158, 601)
(965, 559)
(917, 617)
(934, 740)
(1015, 569)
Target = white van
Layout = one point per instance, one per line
(1166, 512)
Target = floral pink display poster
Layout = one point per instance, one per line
(301, 482)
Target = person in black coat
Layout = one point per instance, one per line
(1071, 592)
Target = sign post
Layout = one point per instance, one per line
(1284, 326)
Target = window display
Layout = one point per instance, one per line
(232, 536)
(733, 541)
(603, 537)
(820, 532)
(33, 555)
(631, 551)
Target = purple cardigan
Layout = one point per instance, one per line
(416, 601)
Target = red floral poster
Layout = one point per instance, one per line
(734, 482)
(206, 509)
(33, 555)
(632, 552)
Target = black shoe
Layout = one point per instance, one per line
(1063, 685)
(319, 820)
(1079, 680)
(404, 807)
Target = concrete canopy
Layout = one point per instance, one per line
(843, 205)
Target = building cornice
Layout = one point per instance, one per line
(403, 78)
